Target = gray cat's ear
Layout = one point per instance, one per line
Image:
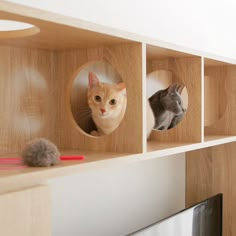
(172, 88)
(93, 80)
(180, 88)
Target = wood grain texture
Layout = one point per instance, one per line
(27, 97)
(210, 171)
(211, 62)
(220, 100)
(159, 53)
(26, 212)
(187, 70)
(126, 59)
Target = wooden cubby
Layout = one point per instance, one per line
(186, 69)
(37, 73)
(219, 97)
(36, 77)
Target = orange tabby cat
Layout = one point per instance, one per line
(107, 103)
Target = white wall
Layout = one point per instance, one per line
(118, 201)
(207, 25)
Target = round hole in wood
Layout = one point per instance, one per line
(16, 29)
(168, 99)
(98, 98)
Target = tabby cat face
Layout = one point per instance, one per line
(105, 100)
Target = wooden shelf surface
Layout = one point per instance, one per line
(17, 179)
(159, 149)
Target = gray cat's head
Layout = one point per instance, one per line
(171, 100)
(168, 99)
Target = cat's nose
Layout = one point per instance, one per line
(102, 110)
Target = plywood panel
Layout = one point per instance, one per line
(187, 70)
(210, 171)
(220, 100)
(27, 95)
(211, 62)
(126, 59)
(26, 212)
(157, 53)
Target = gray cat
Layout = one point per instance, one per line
(167, 107)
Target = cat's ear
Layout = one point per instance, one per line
(121, 86)
(93, 80)
(180, 88)
(172, 88)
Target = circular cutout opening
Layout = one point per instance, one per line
(16, 29)
(98, 98)
(167, 98)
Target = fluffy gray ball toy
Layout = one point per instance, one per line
(40, 152)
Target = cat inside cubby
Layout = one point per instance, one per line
(98, 99)
(167, 101)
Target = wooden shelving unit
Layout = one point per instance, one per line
(37, 73)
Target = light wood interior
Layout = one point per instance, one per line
(158, 53)
(220, 105)
(210, 171)
(26, 212)
(212, 62)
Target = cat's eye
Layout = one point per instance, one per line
(98, 98)
(112, 102)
